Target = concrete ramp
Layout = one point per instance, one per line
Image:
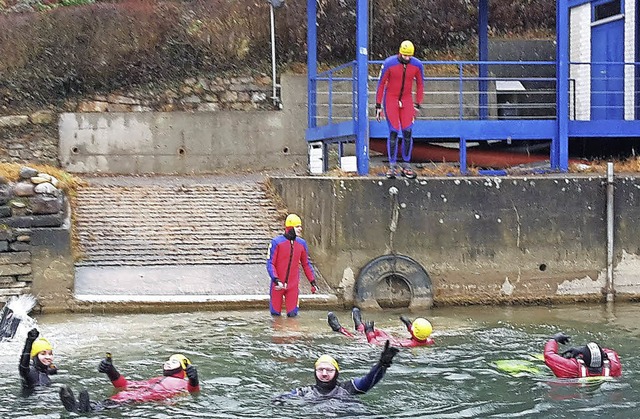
(176, 239)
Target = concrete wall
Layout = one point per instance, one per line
(481, 240)
(185, 142)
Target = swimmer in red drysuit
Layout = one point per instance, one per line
(170, 384)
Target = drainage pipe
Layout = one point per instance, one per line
(610, 194)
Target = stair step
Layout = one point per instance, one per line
(225, 223)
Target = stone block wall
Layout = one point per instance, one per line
(28, 209)
(32, 136)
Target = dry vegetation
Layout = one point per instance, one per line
(68, 182)
(62, 52)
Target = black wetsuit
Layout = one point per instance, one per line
(36, 374)
(339, 389)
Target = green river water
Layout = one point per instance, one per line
(245, 358)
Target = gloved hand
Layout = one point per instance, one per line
(386, 358)
(192, 375)
(278, 285)
(368, 327)
(571, 353)
(406, 321)
(378, 112)
(33, 335)
(314, 287)
(106, 366)
(416, 106)
(561, 338)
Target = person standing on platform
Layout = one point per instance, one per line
(286, 253)
(395, 88)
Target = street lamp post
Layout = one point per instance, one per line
(274, 4)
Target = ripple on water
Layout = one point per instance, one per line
(245, 359)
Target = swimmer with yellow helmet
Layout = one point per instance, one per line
(287, 252)
(420, 330)
(394, 95)
(36, 362)
(326, 372)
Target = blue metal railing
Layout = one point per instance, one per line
(513, 93)
(513, 100)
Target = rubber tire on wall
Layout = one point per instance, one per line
(404, 267)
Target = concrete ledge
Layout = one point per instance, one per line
(190, 298)
(121, 303)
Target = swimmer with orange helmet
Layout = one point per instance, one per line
(36, 362)
(420, 330)
(179, 376)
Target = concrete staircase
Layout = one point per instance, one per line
(150, 225)
(174, 239)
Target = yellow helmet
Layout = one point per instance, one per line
(328, 360)
(406, 48)
(293, 221)
(39, 345)
(183, 360)
(421, 328)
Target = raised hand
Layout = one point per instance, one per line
(192, 375)
(405, 320)
(386, 358)
(106, 366)
(561, 338)
(33, 334)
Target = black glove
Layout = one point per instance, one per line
(571, 353)
(406, 321)
(378, 112)
(368, 327)
(561, 338)
(33, 335)
(314, 287)
(416, 106)
(106, 366)
(192, 375)
(386, 358)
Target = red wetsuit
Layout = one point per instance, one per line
(379, 337)
(573, 368)
(285, 258)
(157, 388)
(395, 86)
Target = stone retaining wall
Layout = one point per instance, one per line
(33, 136)
(30, 210)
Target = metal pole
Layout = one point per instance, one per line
(610, 289)
(274, 97)
(312, 66)
(362, 76)
(560, 153)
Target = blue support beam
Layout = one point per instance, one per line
(560, 147)
(483, 55)
(312, 62)
(362, 108)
